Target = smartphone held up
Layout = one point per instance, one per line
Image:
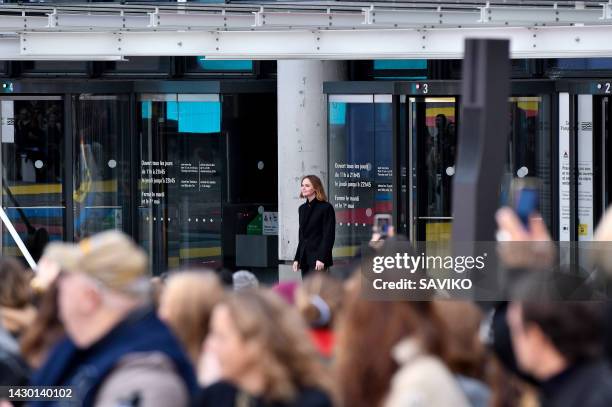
(525, 198)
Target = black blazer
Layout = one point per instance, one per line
(317, 233)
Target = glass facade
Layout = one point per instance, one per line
(529, 149)
(32, 170)
(434, 140)
(137, 66)
(200, 64)
(185, 173)
(154, 165)
(361, 168)
(360, 151)
(181, 183)
(101, 163)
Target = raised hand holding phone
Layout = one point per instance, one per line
(525, 198)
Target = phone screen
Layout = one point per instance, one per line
(527, 203)
(382, 223)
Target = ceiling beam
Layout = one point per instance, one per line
(541, 42)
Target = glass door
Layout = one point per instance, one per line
(360, 166)
(529, 149)
(182, 155)
(32, 170)
(606, 153)
(601, 152)
(101, 163)
(584, 149)
(433, 124)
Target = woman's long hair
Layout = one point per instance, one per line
(46, 330)
(317, 185)
(188, 300)
(287, 357)
(15, 289)
(368, 331)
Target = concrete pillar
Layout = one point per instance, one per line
(302, 138)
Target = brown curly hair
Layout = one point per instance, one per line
(368, 331)
(288, 357)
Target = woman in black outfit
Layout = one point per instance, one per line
(317, 228)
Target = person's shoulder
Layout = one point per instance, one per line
(600, 376)
(220, 387)
(217, 394)
(13, 370)
(150, 375)
(312, 397)
(326, 205)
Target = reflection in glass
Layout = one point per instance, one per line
(440, 147)
(101, 126)
(32, 173)
(360, 166)
(529, 148)
(35, 226)
(180, 184)
(434, 123)
(434, 130)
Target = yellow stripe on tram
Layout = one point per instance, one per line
(529, 105)
(198, 252)
(440, 100)
(434, 111)
(38, 189)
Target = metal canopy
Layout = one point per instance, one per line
(317, 30)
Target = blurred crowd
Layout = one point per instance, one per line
(91, 318)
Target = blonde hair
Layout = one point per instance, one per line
(188, 299)
(317, 185)
(288, 358)
(328, 289)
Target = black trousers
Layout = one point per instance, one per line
(307, 269)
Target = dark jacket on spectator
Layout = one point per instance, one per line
(583, 385)
(13, 370)
(223, 394)
(316, 234)
(87, 370)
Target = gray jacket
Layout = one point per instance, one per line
(144, 379)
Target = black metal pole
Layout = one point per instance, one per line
(68, 185)
(573, 166)
(483, 137)
(396, 163)
(132, 155)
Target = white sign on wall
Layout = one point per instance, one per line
(270, 223)
(7, 117)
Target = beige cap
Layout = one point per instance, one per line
(110, 257)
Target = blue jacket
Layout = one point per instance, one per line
(85, 369)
